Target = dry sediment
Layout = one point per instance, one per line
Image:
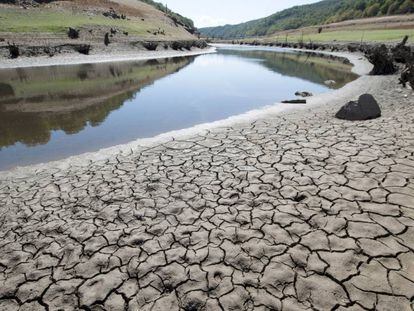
(290, 211)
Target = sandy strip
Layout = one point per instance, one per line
(76, 59)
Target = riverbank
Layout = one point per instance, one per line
(115, 56)
(284, 210)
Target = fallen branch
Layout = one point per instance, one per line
(294, 101)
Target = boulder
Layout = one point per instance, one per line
(83, 49)
(150, 46)
(304, 94)
(366, 108)
(330, 82)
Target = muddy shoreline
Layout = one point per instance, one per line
(115, 56)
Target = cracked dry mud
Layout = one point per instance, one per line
(289, 212)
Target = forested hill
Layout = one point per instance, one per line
(324, 12)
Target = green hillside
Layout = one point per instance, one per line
(324, 12)
(179, 19)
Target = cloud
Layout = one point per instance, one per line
(208, 21)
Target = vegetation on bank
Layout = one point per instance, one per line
(102, 88)
(324, 12)
(383, 35)
(179, 19)
(57, 20)
(15, 20)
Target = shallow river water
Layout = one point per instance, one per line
(48, 113)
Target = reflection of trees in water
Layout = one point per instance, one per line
(28, 113)
(312, 68)
(6, 90)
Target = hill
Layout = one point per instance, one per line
(52, 27)
(324, 12)
(139, 17)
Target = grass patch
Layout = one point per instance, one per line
(351, 36)
(56, 22)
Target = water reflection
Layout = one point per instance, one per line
(313, 67)
(49, 113)
(36, 101)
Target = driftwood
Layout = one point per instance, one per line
(294, 101)
(106, 39)
(383, 62)
(407, 76)
(401, 52)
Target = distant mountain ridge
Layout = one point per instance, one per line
(324, 12)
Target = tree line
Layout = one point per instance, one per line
(324, 12)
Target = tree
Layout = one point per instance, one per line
(360, 5)
(373, 10)
(393, 9)
(407, 7)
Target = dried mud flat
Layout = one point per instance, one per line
(293, 211)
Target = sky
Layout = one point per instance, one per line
(206, 13)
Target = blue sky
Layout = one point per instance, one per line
(219, 12)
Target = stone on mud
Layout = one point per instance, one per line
(366, 108)
(304, 94)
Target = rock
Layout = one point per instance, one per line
(112, 14)
(83, 49)
(382, 60)
(366, 108)
(330, 82)
(304, 94)
(73, 33)
(150, 46)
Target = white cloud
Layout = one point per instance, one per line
(208, 21)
